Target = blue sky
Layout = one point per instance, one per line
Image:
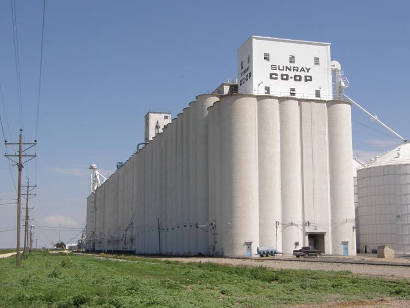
(107, 63)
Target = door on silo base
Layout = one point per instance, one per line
(248, 247)
(317, 241)
(345, 245)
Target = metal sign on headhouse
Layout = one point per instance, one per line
(283, 67)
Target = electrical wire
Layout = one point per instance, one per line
(40, 76)
(3, 103)
(374, 130)
(74, 237)
(8, 230)
(16, 45)
(2, 128)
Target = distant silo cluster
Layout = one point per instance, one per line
(234, 172)
(384, 202)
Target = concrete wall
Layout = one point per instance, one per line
(233, 173)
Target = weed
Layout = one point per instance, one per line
(54, 274)
(81, 281)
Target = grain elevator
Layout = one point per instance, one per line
(257, 163)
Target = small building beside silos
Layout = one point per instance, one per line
(234, 172)
(384, 202)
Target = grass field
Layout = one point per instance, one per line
(7, 250)
(82, 281)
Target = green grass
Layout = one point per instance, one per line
(7, 250)
(81, 281)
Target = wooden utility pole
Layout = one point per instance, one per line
(31, 237)
(22, 148)
(27, 216)
(26, 219)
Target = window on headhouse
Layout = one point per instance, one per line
(267, 90)
(166, 117)
(249, 59)
(241, 65)
(316, 61)
(266, 56)
(292, 91)
(317, 93)
(292, 59)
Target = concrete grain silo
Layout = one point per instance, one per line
(292, 215)
(258, 163)
(341, 183)
(384, 202)
(269, 160)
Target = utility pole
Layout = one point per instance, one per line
(27, 218)
(22, 158)
(31, 237)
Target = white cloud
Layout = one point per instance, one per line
(55, 221)
(382, 143)
(70, 171)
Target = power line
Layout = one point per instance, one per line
(64, 228)
(8, 230)
(16, 46)
(40, 76)
(74, 237)
(8, 203)
(3, 103)
(2, 128)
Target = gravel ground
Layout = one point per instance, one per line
(384, 271)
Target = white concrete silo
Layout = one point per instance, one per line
(148, 199)
(123, 194)
(139, 203)
(202, 171)
(192, 188)
(155, 204)
(109, 213)
(270, 208)
(165, 194)
(341, 182)
(211, 181)
(315, 175)
(179, 238)
(172, 187)
(384, 201)
(186, 211)
(215, 179)
(239, 165)
(290, 153)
